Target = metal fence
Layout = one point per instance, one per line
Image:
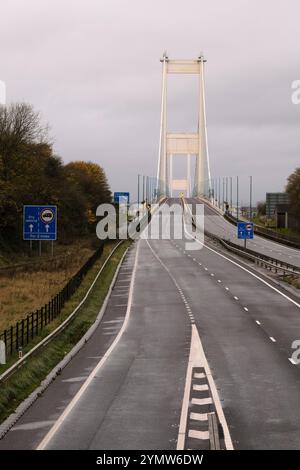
(20, 334)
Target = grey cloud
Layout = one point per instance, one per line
(92, 68)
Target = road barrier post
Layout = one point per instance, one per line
(2, 352)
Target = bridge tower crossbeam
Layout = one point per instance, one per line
(188, 144)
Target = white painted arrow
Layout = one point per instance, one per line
(47, 228)
(30, 228)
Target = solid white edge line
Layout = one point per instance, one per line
(215, 395)
(243, 268)
(27, 403)
(185, 402)
(81, 391)
(60, 327)
(264, 241)
(188, 380)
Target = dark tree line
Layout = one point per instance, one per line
(30, 173)
(293, 190)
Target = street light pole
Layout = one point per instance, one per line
(147, 188)
(237, 198)
(226, 189)
(250, 197)
(223, 195)
(231, 193)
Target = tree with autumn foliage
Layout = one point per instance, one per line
(88, 187)
(30, 173)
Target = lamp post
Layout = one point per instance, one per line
(250, 197)
(223, 195)
(226, 189)
(237, 198)
(230, 193)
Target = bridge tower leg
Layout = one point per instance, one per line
(203, 178)
(183, 143)
(188, 172)
(162, 162)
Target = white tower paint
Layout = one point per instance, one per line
(183, 143)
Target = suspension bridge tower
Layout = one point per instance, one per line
(187, 144)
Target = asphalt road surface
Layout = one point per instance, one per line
(147, 382)
(217, 225)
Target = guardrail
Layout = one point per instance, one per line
(259, 259)
(18, 364)
(272, 264)
(19, 335)
(269, 234)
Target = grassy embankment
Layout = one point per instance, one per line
(271, 224)
(26, 289)
(25, 380)
(293, 280)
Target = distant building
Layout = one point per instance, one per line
(273, 200)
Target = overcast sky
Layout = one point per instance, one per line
(92, 68)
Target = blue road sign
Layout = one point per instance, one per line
(39, 223)
(245, 230)
(120, 197)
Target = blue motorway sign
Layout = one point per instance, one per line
(245, 230)
(39, 222)
(121, 197)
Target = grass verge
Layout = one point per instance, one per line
(293, 280)
(25, 380)
(19, 295)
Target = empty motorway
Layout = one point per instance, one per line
(217, 225)
(185, 333)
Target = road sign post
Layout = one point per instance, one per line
(2, 352)
(39, 223)
(245, 231)
(121, 197)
